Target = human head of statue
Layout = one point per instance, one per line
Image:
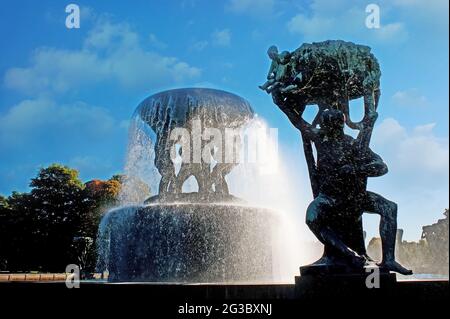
(285, 57)
(272, 52)
(332, 121)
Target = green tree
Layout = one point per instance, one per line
(18, 234)
(56, 223)
(58, 207)
(4, 233)
(3, 202)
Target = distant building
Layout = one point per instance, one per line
(436, 236)
(430, 255)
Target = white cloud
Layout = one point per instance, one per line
(418, 175)
(111, 52)
(343, 20)
(89, 166)
(391, 32)
(154, 41)
(221, 37)
(430, 14)
(30, 120)
(252, 7)
(199, 45)
(56, 70)
(418, 153)
(410, 98)
(38, 132)
(310, 26)
(323, 19)
(107, 35)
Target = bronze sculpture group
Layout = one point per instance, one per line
(181, 120)
(329, 74)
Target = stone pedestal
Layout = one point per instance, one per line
(188, 243)
(339, 282)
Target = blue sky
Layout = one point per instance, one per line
(66, 95)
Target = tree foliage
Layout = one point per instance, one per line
(56, 222)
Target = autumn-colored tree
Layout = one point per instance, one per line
(99, 196)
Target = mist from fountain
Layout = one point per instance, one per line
(260, 179)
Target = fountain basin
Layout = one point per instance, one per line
(188, 242)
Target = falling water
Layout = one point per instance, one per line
(260, 179)
(268, 182)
